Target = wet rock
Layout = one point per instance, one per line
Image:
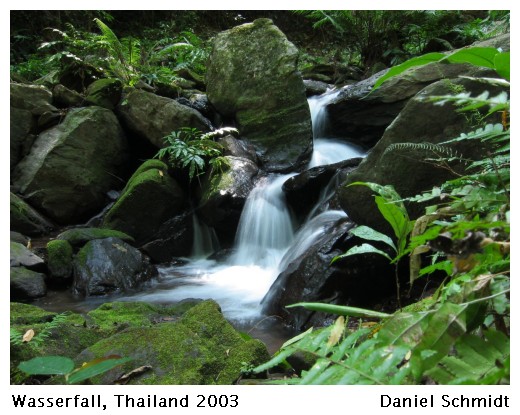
(26, 284)
(252, 77)
(27, 220)
(109, 265)
(72, 166)
(78, 237)
(19, 238)
(59, 260)
(64, 97)
(22, 256)
(238, 148)
(313, 87)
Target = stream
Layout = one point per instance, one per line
(267, 240)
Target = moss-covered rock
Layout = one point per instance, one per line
(252, 76)
(78, 237)
(105, 93)
(71, 166)
(201, 348)
(153, 117)
(150, 198)
(65, 98)
(110, 265)
(26, 284)
(25, 219)
(59, 260)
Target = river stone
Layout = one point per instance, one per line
(153, 117)
(22, 256)
(174, 238)
(27, 220)
(202, 348)
(313, 87)
(26, 284)
(59, 260)
(105, 93)
(64, 97)
(252, 77)
(109, 265)
(419, 122)
(357, 280)
(224, 194)
(238, 148)
(363, 117)
(150, 198)
(78, 237)
(72, 166)
(18, 237)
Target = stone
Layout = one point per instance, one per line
(18, 237)
(202, 348)
(64, 97)
(78, 237)
(150, 198)
(26, 284)
(313, 87)
(105, 93)
(252, 77)
(238, 148)
(21, 125)
(419, 122)
(34, 98)
(363, 115)
(174, 238)
(224, 194)
(59, 260)
(153, 117)
(109, 265)
(71, 166)
(23, 257)
(27, 220)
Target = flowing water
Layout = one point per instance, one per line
(267, 241)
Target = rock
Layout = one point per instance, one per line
(153, 117)
(59, 260)
(77, 75)
(72, 166)
(201, 348)
(64, 97)
(78, 237)
(26, 284)
(26, 220)
(105, 93)
(313, 87)
(21, 125)
(363, 117)
(150, 198)
(49, 119)
(238, 148)
(358, 280)
(109, 265)
(304, 190)
(224, 194)
(22, 256)
(419, 122)
(19, 238)
(252, 77)
(501, 41)
(437, 45)
(174, 238)
(34, 98)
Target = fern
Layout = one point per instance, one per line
(437, 149)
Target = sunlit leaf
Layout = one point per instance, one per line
(27, 337)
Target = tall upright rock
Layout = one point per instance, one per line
(252, 78)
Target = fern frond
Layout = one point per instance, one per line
(436, 149)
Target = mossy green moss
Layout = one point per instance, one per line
(147, 165)
(80, 236)
(29, 314)
(201, 348)
(59, 258)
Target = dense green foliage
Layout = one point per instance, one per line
(461, 334)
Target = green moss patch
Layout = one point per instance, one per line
(59, 258)
(80, 236)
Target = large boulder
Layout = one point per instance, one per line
(252, 77)
(363, 115)
(407, 168)
(224, 194)
(109, 265)
(72, 166)
(26, 284)
(201, 348)
(150, 198)
(153, 117)
(25, 219)
(78, 237)
(34, 98)
(21, 123)
(309, 276)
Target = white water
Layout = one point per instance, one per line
(265, 244)
(205, 240)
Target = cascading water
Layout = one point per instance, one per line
(205, 240)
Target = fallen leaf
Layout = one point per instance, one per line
(126, 377)
(337, 331)
(29, 334)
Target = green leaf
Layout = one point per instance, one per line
(361, 249)
(100, 366)
(397, 217)
(341, 310)
(371, 234)
(502, 64)
(47, 365)
(410, 63)
(476, 56)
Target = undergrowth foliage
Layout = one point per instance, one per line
(460, 334)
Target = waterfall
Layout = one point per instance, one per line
(265, 229)
(317, 105)
(205, 241)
